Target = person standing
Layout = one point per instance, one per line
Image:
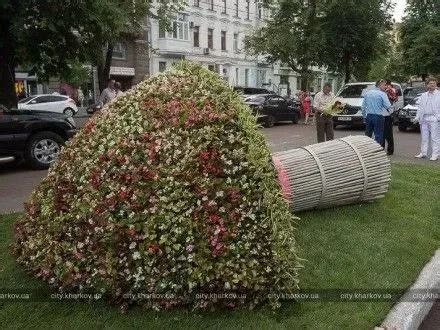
(324, 122)
(428, 116)
(109, 93)
(307, 107)
(374, 103)
(388, 136)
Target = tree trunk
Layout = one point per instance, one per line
(104, 68)
(347, 69)
(8, 97)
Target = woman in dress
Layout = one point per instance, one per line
(307, 106)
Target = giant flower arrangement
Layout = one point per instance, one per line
(166, 198)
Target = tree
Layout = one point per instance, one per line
(50, 35)
(353, 34)
(420, 38)
(290, 36)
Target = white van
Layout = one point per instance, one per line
(353, 95)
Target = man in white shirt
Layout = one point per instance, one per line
(428, 116)
(324, 123)
(109, 93)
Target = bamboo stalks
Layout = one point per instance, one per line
(343, 171)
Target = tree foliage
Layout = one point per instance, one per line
(290, 36)
(420, 38)
(341, 35)
(52, 34)
(354, 34)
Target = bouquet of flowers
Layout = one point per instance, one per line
(166, 196)
(334, 108)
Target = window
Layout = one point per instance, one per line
(298, 83)
(284, 80)
(210, 5)
(120, 51)
(196, 36)
(162, 66)
(236, 8)
(210, 38)
(162, 30)
(236, 76)
(224, 7)
(356, 90)
(180, 28)
(196, 3)
(246, 76)
(235, 42)
(247, 9)
(260, 10)
(211, 67)
(223, 41)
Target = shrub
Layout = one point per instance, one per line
(166, 195)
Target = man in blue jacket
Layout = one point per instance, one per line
(375, 102)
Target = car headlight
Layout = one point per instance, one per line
(71, 121)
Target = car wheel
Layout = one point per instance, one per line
(69, 112)
(295, 119)
(43, 149)
(402, 128)
(270, 121)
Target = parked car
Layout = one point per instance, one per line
(247, 91)
(408, 114)
(412, 92)
(352, 95)
(34, 135)
(49, 102)
(273, 108)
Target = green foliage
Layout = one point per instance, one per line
(169, 191)
(347, 248)
(76, 75)
(353, 34)
(420, 38)
(290, 36)
(343, 36)
(52, 34)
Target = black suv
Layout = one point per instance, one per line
(272, 108)
(36, 136)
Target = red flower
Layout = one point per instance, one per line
(124, 194)
(153, 248)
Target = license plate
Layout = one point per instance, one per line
(344, 118)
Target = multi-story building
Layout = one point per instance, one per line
(211, 32)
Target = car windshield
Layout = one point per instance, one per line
(26, 99)
(412, 92)
(355, 91)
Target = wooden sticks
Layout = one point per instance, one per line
(343, 171)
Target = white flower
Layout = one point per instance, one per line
(136, 255)
(132, 245)
(80, 245)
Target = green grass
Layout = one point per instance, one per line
(383, 245)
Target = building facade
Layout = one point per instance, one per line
(211, 32)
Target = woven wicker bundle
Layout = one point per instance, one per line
(343, 171)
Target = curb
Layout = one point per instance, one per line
(408, 314)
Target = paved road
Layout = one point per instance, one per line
(16, 183)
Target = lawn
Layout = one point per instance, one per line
(383, 245)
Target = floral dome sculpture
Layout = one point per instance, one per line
(165, 198)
